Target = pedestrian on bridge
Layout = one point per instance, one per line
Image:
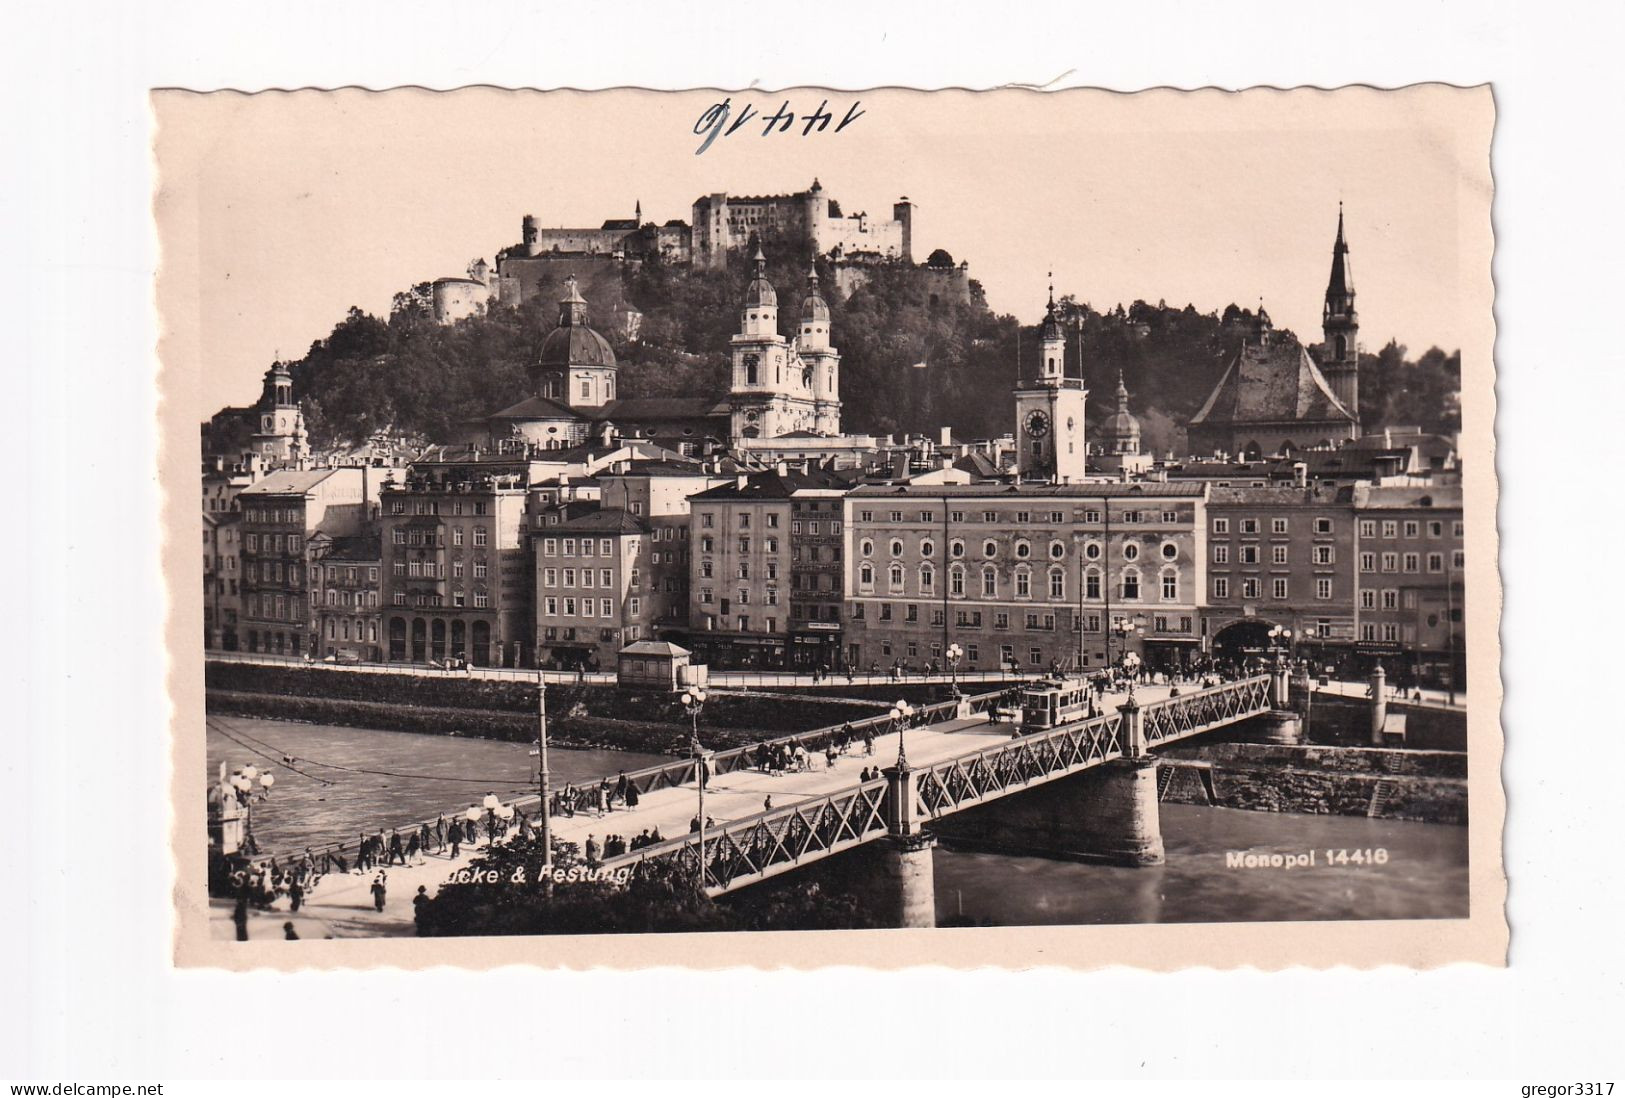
(632, 795)
(296, 893)
(414, 850)
(455, 836)
(767, 803)
(440, 833)
(592, 848)
(378, 890)
(395, 849)
(603, 798)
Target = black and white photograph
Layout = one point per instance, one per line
(796, 539)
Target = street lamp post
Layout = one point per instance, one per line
(693, 701)
(954, 655)
(901, 714)
(543, 778)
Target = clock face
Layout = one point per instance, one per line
(1037, 424)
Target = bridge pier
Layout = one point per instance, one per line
(1120, 821)
(1277, 726)
(909, 880)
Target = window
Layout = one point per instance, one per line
(1390, 562)
(1249, 587)
(990, 516)
(1024, 584)
(552, 606)
(927, 547)
(1324, 554)
(928, 579)
(1131, 550)
(1368, 598)
(990, 583)
(1278, 587)
(1390, 598)
(956, 582)
(1131, 584)
(1323, 588)
(1412, 528)
(866, 516)
(1390, 631)
(885, 611)
(1091, 515)
(912, 612)
(1170, 586)
(1057, 583)
(606, 608)
(707, 594)
(897, 516)
(1413, 562)
(1001, 620)
(866, 547)
(1458, 558)
(1092, 550)
(894, 578)
(479, 567)
(866, 576)
(1170, 516)
(457, 535)
(1368, 631)
(457, 571)
(1249, 554)
(1368, 562)
(1277, 525)
(1024, 548)
(550, 546)
(707, 520)
(1249, 526)
(1455, 529)
(1091, 584)
(990, 549)
(1368, 528)
(479, 535)
(481, 599)
(586, 577)
(772, 520)
(1278, 554)
(896, 547)
(1323, 526)
(1221, 553)
(1057, 550)
(1390, 528)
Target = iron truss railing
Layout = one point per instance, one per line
(1011, 767)
(758, 847)
(755, 848)
(1191, 714)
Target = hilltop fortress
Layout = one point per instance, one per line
(720, 224)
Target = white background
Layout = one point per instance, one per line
(84, 869)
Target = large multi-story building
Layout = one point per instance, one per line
(1410, 559)
(347, 595)
(592, 595)
(281, 513)
(455, 569)
(1280, 557)
(817, 574)
(739, 587)
(222, 575)
(1039, 576)
(658, 492)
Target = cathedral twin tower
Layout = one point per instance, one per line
(780, 386)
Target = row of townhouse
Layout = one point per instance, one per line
(480, 558)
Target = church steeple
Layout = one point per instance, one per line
(1051, 342)
(1340, 323)
(572, 306)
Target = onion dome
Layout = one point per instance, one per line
(1051, 328)
(760, 292)
(813, 306)
(1121, 425)
(572, 343)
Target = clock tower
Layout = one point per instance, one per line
(1049, 411)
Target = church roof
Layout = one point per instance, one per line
(1276, 382)
(539, 407)
(760, 292)
(634, 409)
(813, 306)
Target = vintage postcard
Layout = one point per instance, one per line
(874, 527)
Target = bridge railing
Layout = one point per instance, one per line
(751, 756)
(760, 846)
(1026, 760)
(1188, 714)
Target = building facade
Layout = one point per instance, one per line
(281, 513)
(455, 568)
(817, 577)
(1049, 412)
(1410, 559)
(1035, 576)
(658, 493)
(347, 596)
(592, 589)
(1280, 557)
(222, 576)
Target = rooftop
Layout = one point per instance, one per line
(1114, 490)
(602, 521)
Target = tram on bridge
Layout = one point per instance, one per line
(1051, 703)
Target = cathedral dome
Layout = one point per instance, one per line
(572, 343)
(575, 345)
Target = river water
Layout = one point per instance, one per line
(446, 772)
(1424, 874)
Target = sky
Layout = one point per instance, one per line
(277, 212)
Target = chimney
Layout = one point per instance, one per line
(1300, 474)
(782, 468)
(946, 437)
(740, 480)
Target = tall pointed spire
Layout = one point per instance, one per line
(1122, 392)
(1340, 286)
